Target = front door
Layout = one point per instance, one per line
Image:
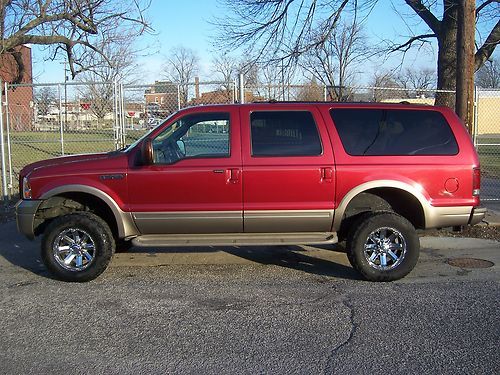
(288, 169)
(194, 184)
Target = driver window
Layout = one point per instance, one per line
(194, 136)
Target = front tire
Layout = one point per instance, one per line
(77, 247)
(383, 246)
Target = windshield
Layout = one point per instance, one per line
(130, 147)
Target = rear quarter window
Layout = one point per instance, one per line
(379, 132)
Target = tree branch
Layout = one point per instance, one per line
(426, 15)
(489, 45)
(406, 46)
(483, 5)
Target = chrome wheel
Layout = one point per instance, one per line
(385, 248)
(74, 249)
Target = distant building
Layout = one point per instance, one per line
(20, 109)
(162, 98)
(214, 97)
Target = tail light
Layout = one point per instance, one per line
(476, 182)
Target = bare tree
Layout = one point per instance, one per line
(333, 62)
(281, 29)
(417, 81)
(181, 67)
(311, 92)
(99, 88)
(489, 75)
(44, 98)
(386, 87)
(226, 67)
(73, 29)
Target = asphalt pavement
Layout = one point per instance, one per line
(228, 310)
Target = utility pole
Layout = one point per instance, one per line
(464, 101)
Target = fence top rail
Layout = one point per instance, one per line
(175, 84)
(280, 86)
(55, 84)
(231, 83)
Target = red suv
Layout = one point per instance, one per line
(255, 174)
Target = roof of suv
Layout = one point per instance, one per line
(377, 105)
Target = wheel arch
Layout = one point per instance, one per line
(121, 223)
(403, 199)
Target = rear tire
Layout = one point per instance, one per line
(77, 247)
(383, 246)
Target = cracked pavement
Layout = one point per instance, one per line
(284, 309)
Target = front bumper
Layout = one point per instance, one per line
(25, 216)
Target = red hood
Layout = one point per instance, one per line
(61, 160)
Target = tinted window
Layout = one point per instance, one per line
(203, 135)
(284, 133)
(394, 132)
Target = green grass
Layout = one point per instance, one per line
(29, 147)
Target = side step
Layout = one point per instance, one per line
(232, 239)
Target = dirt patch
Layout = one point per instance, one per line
(487, 232)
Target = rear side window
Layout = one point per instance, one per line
(394, 132)
(284, 133)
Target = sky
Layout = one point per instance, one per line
(187, 23)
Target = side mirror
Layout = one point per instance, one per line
(147, 152)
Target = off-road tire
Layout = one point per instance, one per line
(99, 234)
(389, 222)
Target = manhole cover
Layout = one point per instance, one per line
(470, 263)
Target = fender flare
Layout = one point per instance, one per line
(124, 221)
(419, 195)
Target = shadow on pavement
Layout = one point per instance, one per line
(292, 257)
(20, 252)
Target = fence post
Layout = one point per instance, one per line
(2, 150)
(475, 124)
(234, 91)
(9, 148)
(178, 97)
(242, 88)
(61, 126)
(122, 111)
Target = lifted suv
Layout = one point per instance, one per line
(255, 174)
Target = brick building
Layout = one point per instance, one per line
(20, 109)
(162, 98)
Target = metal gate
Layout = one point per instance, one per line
(42, 121)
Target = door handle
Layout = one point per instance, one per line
(326, 174)
(233, 175)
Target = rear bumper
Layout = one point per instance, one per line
(25, 216)
(441, 217)
(477, 215)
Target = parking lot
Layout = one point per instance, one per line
(285, 309)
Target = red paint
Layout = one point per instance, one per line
(244, 182)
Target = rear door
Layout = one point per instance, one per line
(288, 166)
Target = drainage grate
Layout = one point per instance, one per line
(470, 263)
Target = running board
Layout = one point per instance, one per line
(232, 239)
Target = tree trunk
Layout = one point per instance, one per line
(447, 54)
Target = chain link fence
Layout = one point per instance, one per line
(487, 141)
(42, 121)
